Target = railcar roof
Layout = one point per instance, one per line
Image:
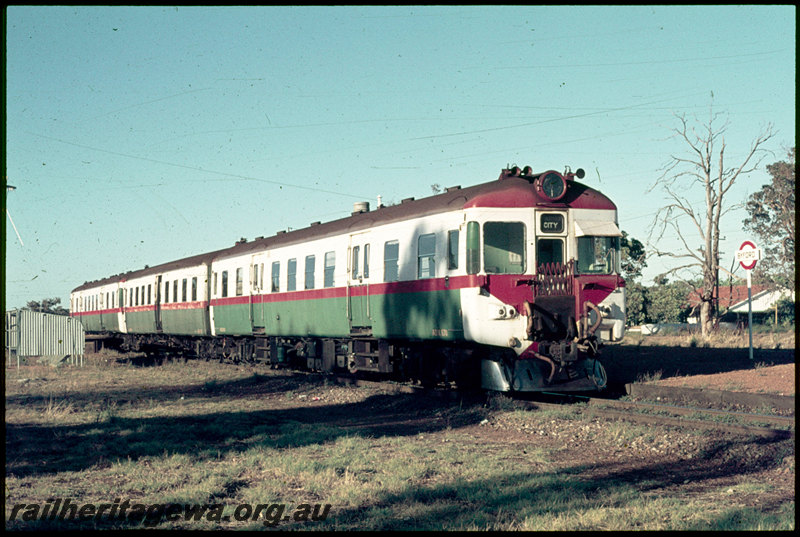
(507, 191)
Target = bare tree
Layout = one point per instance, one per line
(703, 169)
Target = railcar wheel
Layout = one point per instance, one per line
(431, 368)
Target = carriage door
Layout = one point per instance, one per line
(257, 293)
(158, 303)
(123, 327)
(101, 305)
(358, 278)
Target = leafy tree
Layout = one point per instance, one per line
(633, 262)
(47, 305)
(667, 302)
(772, 220)
(704, 167)
(636, 303)
(786, 311)
(633, 257)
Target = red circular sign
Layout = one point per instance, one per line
(748, 246)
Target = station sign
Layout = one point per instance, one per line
(748, 255)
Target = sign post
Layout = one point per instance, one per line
(747, 256)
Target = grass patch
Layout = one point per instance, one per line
(202, 433)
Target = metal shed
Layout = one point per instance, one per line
(31, 333)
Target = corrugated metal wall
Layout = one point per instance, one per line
(31, 333)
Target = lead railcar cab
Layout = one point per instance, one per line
(513, 282)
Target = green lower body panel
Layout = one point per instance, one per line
(100, 322)
(424, 315)
(416, 315)
(192, 322)
(318, 318)
(140, 322)
(110, 322)
(232, 319)
(92, 323)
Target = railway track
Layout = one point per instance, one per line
(693, 417)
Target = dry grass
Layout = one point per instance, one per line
(722, 339)
(200, 432)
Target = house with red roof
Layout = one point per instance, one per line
(733, 302)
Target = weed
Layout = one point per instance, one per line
(500, 401)
(650, 376)
(56, 411)
(211, 385)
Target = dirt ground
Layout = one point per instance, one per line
(671, 362)
(778, 379)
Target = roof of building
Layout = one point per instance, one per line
(734, 298)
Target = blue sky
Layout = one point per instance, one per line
(140, 135)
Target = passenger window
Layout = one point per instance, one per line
(452, 249)
(166, 292)
(549, 251)
(473, 248)
(224, 283)
(149, 293)
(391, 251)
(194, 289)
(183, 290)
(309, 280)
(366, 261)
(426, 251)
(504, 247)
(239, 281)
(255, 276)
(355, 271)
(291, 273)
(330, 265)
(175, 291)
(276, 276)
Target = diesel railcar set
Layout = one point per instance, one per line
(511, 284)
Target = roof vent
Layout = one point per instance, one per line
(406, 200)
(316, 223)
(360, 207)
(452, 188)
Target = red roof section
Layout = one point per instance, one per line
(728, 296)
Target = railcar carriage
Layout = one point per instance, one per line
(512, 284)
(97, 306)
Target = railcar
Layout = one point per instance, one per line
(512, 284)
